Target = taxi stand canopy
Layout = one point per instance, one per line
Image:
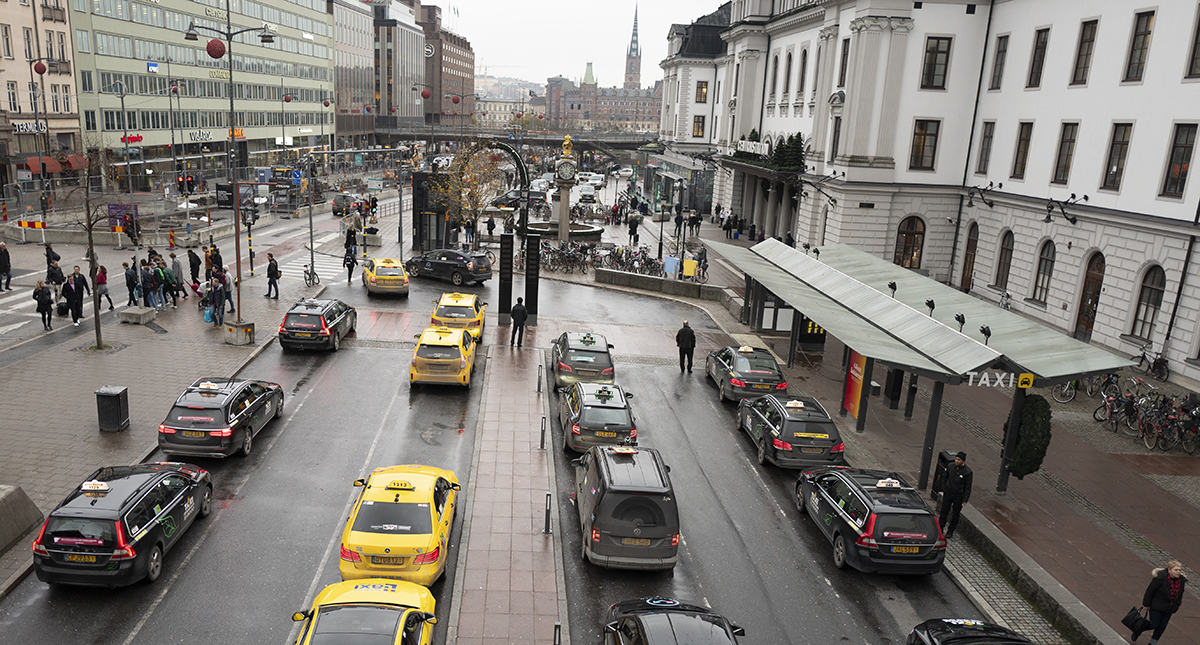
(843, 292)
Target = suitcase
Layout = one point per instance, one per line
(63, 308)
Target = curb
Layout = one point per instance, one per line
(560, 577)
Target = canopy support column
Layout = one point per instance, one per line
(935, 410)
(864, 396)
(911, 398)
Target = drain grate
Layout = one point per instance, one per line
(375, 343)
(644, 360)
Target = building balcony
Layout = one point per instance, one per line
(59, 66)
(53, 14)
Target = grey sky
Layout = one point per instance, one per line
(536, 39)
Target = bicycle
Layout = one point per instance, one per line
(702, 273)
(1065, 392)
(310, 276)
(1155, 366)
(1102, 386)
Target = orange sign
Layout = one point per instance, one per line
(854, 384)
(239, 133)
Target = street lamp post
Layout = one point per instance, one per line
(425, 94)
(679, 187)
(283, 101)
(38, 65)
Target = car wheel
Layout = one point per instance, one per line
(456, 279)
(839, 552)
(721, 391)
(247, 443)
(354, 323)
(800, 505)
(206, 502)
(154, 568)
(414, 271)
(762, 452)
(279, 407)
(337, 341)
(583, 548)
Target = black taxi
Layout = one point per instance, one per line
(217, 417)
(791, 431)
(592, 414)
(115, 527)
(666, 621)
(577, 357)
(963, 631)
(875, 520)
(317, 324)
(459, 267)
(741, 372)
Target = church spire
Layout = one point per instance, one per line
(633, 59)
(634, 49)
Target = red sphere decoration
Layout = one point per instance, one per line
(39, 67)
(287, 98)
(174, 89)
(326, 103)
(539, 117)
(426, 94)
(455, 100)
(367, 110)
(519, 115)
(392, 110)
(215, 48)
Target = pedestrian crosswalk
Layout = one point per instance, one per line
(327, 267)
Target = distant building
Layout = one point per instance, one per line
(449, 70)
(399, 65)
(354, 73)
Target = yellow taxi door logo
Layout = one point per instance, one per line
(1025, 381)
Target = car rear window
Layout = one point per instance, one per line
(806, 430)
(389, 271)
(637, 510)
(481, 262)
(438, 352)
(184, 417)
(605, 416)
(303, 321)
(80, 531)
(755, 365)
(599, 360)
(919, 527)
(403, 518)
(454, 312)
(357, 625)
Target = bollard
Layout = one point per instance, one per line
(539, 389)
(542, 443)
(547, 529)
(557, 633)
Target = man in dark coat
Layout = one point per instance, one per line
(54, 275)
(633, 234)
(5, 268)
(217, 260)
(194, 262)
(955, 492)
(685, 338)
(131, 280)
(519, 315)
(73, 289)
(52, 256)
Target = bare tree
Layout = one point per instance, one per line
(471, 182)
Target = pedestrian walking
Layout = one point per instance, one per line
(216, 296)
(229, 282)
(102, 286)
(5, 268)
(149, 290)
(54, 276)
(51, 255)
(167, 276)
(350, 261)
(685, 338)
(1163, 597)
(678, 220)
(73, 289)
(208, 265)
(194, 263)
(491, 227)
(45, 303)
(633, 232)
(130, 283)
(519, 315)
(217, 261)
(351, 244)
(469, 230)
(177, 270)
(159, 280)
(272, 276)
(956, 491)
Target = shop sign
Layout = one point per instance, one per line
(239, 133)
(152, 68)
(755, 147)
(28, 126)
(214, 13)
(218, 73)
(200, 135)
(133, 138)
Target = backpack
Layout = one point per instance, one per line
(156, 278)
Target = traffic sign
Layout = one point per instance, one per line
(296, 175)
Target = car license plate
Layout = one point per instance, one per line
(635, 541)
(812, 449)
(74, 557)
(905, 549)
(193, 433)
(602, 433)
(386, 559)
(300, 335)
(762, 386)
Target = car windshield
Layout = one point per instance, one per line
(636, 510)
(438, 352)
(357, 625)
(445, 311)
(79, 531)
(185, 417)
(303, 321)
(905, 526)
(392, 518)
(687, 627)
(584, 358)
(605, 416)
(755, 364)
(386, 271)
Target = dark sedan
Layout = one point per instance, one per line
(742, 372)
(217, 417)
(963, 631)
(317, 324)
(458, 267)
(791, 431)
(666, 621)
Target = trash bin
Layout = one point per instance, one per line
(670, 265)
(939, 472)
(112, 406)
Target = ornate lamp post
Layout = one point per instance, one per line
(284, 100)
(425, 95)
(38, 66)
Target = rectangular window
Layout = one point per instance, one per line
(998, 62)
(14, 98)
(837, 137)
(80, 5)
(89, 120)
(937, 57)
(924, 145)
(702, 91)
(85, 81)
(66, 96)
(1066, 152)
(1021, 154)
(698, 126)
(985, 147)
(83, 40)
(54, 101)
(1181, 156)
(62, 45)
(6, 40)
(1139, 47)
(29, 44)
(845, 62)
(1118, 148)
(49, 53)
(1041, 39)
(1083, 53)
(1194, 65)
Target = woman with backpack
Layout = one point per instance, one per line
(45, 303)
(350, 261)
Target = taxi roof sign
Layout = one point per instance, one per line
(624, 450)
(400, 484)
(95, 485)
(888, 483)
(794, 404)
(745, 349)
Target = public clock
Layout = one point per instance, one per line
(566, 171)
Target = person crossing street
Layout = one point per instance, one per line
(685, 338)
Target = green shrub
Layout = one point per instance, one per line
(1033, 437)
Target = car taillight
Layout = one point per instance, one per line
(405, 279)
(475, 323)
(324, 329)
(563, 367)
(281, 330)
(675, 539)
(867, 539)
(350, 556)
(124, 549)
(595, 534)
(38, 547)
(940, 545)
(633, 433)
(462, 363)
(428, 558)
(372, 280)
(162, 429)
(433, 322)
(841, 447)
(223, 432)
(737, 382)
(781, 386)
(606, 372)
(470, 266)
(781, 445)
(574, 428)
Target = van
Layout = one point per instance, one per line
(628, 515)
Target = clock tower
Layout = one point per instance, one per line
(633, 59)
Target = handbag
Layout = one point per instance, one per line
(208, 315)
(1135, 621)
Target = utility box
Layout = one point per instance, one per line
(945, 457)
(112, 406)
(239, 333)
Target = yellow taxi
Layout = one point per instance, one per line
(443, 355)
(373, 610)
(400, 525)
(459, 311)
(385, 275)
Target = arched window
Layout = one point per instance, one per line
(787, 74)
(774, 75)
(1149, 302)
(968, 274)
(1045, 271)
(1004, 259)
(803, 72)
(910, 237)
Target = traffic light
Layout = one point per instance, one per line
(130, 228)
(181, 184)
(374, 205)
(191, 184)
(44, 199)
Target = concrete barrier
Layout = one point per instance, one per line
(18, 515)
(137, 315)
(669, 286)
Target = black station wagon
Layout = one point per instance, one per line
(217, 417)
(317, 324)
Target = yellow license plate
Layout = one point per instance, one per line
(299, 335)
(905, 549)
(762, 386)
(602, 433)
(192, 433)
(635, 541)
(74, 557)
(386, 559)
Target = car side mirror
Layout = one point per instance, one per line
(577, 462)
(667, 467)
(432, 620)
(455, 486)
(611, 628)
(561, 390)
(434, 302)
(360, 482)
(629, 395)
(299, 616)
(417, 336)
(737, 630)
(610, 346)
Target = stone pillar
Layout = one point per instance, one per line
(864, 77)
(760, 206)
(564, 209)
(827, 51)
(890, 105)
